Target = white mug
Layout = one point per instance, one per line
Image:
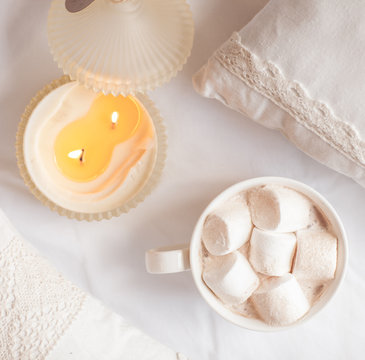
(184, 257)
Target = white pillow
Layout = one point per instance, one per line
(298, 66)
(44, 316)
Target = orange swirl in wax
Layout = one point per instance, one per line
(83, 149)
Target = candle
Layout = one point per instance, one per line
(83, 148)
(91, 153)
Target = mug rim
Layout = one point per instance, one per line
(320, 201)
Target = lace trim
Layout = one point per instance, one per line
(37, 305)
(266, 79)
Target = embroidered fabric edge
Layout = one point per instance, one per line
(38, 305)
(267, 79)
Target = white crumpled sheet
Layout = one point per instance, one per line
(210, 148)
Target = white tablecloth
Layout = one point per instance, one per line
(210, 148)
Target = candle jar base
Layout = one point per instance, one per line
(153, 166)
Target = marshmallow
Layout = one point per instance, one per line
(279, 208)
(231, 278)
(280, 300)
(272, 253)
(312, 289)
(227, 228)
(316, 257)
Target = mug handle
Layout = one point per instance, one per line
(168, 259)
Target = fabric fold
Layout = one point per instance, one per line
(273, 72)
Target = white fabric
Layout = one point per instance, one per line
(44, 316)
(306, 57)
(97, 333)
(210, 148)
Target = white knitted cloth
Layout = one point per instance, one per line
(44, 316)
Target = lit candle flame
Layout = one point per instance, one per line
(77, 154)
(115, 116)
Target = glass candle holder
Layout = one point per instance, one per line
(87, 155)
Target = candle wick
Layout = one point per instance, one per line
(82, 156)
